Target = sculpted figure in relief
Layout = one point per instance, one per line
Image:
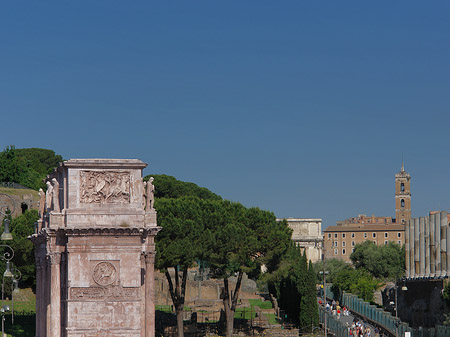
(41, 203)
(149, 194)
(48, 197)
(104, 187)
(104, 273)
(56, 207)
(109, 293)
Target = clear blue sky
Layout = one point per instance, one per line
(304, 108)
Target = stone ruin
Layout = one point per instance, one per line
(95, 251)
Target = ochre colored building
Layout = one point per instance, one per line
(340, 240)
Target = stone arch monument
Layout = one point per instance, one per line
(95, 251)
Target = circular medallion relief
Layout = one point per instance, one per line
(104, 273)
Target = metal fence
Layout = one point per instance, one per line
(380, 318)
(377, 316)
(334, 325)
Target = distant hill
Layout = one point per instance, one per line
(27, 167)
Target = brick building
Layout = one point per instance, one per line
(340, 240)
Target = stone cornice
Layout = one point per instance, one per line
(43, 235)
(98, 163)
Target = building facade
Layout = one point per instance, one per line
(307, 234)
(340, 240)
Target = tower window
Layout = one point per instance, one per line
(329, 235)
(353, 243)
(335, 235)
(343, 251)
(343, 243)
(399, 235)
(374, 235)
(402, 203)
(343, 235)
(335, 252)
(365, 235)
(353, 235)
(402, 187)
(385, 235)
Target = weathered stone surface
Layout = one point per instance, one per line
(95, 249)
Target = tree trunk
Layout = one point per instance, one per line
(177, 294)
(229, 315)
(230, 302)
(180, 325)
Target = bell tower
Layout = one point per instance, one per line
(402, 196)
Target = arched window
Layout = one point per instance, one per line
(402, 187)
(402, 203)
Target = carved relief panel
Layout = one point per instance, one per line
(105, 273)
(104, 187)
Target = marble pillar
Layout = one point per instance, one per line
(149, 295)
(427, 246)
(47, 285)
(38, 295)
(407, 249)
(448, 249)
(443, 244)
(432, 245)
(55, 294)
(416, 247)
(412, 248)
(422, 246)
(43, 299)
(438, 244)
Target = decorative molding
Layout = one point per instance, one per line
(112, 231)
(54, 258)
(104, 187)
(104, 293)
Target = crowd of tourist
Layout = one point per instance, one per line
(358, 328)
(336, 309)
(361, 329)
